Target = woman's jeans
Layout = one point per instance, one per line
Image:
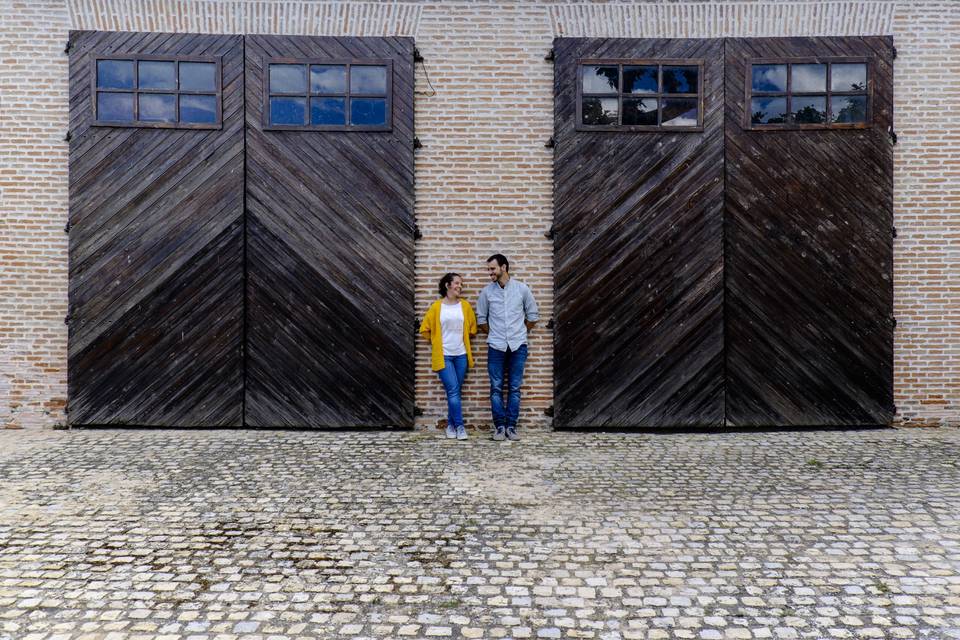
(452, 376)
(506, 366)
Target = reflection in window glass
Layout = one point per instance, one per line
(328, 111)
(368, 111)
(288, 78)
(848, 109)
(809, 77)
(600, 79)
(288, 110)
(640, 111)
(769, 77)
(600, 111)
(114, 107)
(158, 107)
(115, 74)
(368, 80)
(639, 80)
(679, 112)
(328, 78)
(198, 109)
(768, 110)
(848, 77)
(198, 76)
(679, 80)
(156, 74)
(809, 109)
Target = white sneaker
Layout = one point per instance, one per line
(451, 431)
(461, 433)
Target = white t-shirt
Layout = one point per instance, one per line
(451, 327)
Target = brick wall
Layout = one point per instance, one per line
(483, 176)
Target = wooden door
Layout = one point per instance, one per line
(809, 232)
(330, 231)
(638, 233)
(156, 229)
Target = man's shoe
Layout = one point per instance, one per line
(499, 433)
(512, 433)
(461, 433)
(451, 431)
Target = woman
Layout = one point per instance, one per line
(448, 325)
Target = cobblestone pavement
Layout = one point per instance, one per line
(300, 534)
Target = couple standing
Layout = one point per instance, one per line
(505, 311)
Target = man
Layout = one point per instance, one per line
(505, 311)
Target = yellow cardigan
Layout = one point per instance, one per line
(430, 328)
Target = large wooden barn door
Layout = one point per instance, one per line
(809, 246)
(638, 234)
(156, 235)
(330, 232)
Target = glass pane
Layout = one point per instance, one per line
(809, 77)
(849, 109)
(641, 111)
(198, 76)
(198, 109)
(769, 77)
(600, 111)
(158, 107)
(768, 110)
(328, 78)
(809, 109)
(639, 80)
(114, 107)
(680, 80)
(156, 74)
(115, 74)
(600, 79)
(368, 80)
(288, 111)
(288, 78)
(368, 111)
(328, 111)
(848, 77)
(680, 112)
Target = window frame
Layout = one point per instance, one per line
(347, 95)
(177, 92)
(631, 62)
(749, 94)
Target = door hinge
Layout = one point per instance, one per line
(893, 230)
(66, 138)
(893, 135)
(417, 144)
(548, 411)
(550, 57)
(66, 319)
(551, 324)
(417, 56)
(66, 227)
(417, 411)
(893, 51)
(550, 144)
(416, 232)
(549, 233)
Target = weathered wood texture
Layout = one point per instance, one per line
(156, 247)
(638, 256)
(330, 255)
(808, 255)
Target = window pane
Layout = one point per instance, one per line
(156, 74)
(680, 80)
(848, 77)
(328, 111)
(680, 112)
(288, 78)
(328, 78)
(288, 111)
(809, 77)
(115, 74)
(809, 109)
(600, 111)
(849, 109)
(368, 80)
(198, 109)
(114, 107)
(768, 110)
(198, 76)
(639, 80)
(158, 107)
(641, 111)
(769, 77)
(600, 79)
(368, 111)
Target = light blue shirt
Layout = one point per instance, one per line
(505, 309)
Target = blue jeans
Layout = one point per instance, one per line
(452, 376)
(506, 366)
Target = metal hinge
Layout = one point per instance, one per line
(66, 318)
(894, 51)
(894, 231)
(417, 57)
(66, 227)
(893, 135)
(417, 144)
(417, 411)
(549, 233)
(550, 143)
(66, 138)
(550, 57)
(416, 232)
(550, 324)
(548, 411)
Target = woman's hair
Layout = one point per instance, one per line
(445, 282)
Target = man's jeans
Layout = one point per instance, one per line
(506, 365)
(452, 376)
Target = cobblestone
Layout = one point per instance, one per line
(216, 534)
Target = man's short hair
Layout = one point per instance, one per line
(501, 260)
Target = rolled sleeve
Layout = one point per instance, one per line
(530, 306)
(482, 307)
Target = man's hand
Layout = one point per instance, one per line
(530, 324)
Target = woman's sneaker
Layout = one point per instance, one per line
(461, 433)
(451, 431)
